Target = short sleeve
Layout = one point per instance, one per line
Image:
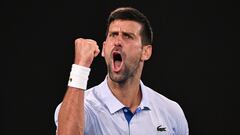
(56, 114)
(182, 124)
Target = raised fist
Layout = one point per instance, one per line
(85, 51)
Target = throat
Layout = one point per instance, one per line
(128, 94)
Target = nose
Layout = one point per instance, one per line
(118, 41)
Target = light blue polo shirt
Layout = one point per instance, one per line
(106, 115)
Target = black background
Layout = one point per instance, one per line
(191, 62)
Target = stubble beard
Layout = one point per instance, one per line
(123, 75)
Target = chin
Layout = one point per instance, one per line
(118, 78)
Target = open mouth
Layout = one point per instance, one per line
(117, 61)
(117, 56)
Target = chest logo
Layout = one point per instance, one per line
(161, 129)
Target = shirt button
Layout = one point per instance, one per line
(125, 110)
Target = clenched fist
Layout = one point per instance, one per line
(85, 51)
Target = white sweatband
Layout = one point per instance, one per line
(79, 77)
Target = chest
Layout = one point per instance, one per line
(143, 123)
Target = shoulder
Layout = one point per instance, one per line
(164, 104)
(160, 100)
(170, 109)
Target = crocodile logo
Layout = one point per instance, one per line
(161, 129)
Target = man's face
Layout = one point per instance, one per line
(123, 50)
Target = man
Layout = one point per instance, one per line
(121, 104)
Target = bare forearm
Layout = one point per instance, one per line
(71, 114)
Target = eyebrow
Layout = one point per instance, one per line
(125, 33)
(129, 33)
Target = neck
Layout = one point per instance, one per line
(128, 93)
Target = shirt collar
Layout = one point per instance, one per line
(145, 97)
(113, 104)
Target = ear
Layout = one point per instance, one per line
(147, 52)
(103, 48)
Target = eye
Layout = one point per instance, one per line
(113, 34)
(127, 36)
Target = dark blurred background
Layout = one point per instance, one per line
(191, 62)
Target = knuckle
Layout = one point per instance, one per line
(78, 41)
(92, 41)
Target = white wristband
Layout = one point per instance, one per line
(79, 77)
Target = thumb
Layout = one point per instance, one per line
(96, 52)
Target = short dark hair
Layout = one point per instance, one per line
(129, 13)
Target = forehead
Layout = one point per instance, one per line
(125, 26)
